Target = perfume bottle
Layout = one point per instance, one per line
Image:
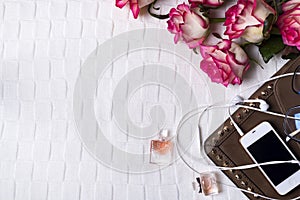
(161, 150)
(208, 182)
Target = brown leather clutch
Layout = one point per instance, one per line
(223, 146)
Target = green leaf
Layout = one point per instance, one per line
(270, 47)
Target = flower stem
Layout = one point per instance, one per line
(217, 20)
(152, 6)
(244, 45)
(276, 9)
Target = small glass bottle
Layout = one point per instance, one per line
(208, 183)
(161, 150)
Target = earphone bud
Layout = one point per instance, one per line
(264, 106)
(237, 100)
(262, 103)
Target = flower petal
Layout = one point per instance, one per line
(224, 63)
(121, 3)
(187, 25)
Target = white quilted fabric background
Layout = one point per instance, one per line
(42, 46)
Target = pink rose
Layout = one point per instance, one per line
(289, 23)
(135, 5)
(187, 25)
(206, 3)
(225, 62)
(246, 20)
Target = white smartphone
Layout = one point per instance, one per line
(263, 144)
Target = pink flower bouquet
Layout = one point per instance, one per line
(273, 26)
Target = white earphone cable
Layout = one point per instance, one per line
(267, 112)
(267, 80)
(206, 108)
(220, 167)
(201, 112)
(238, 129)
(254, 194)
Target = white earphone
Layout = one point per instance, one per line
(263, 107)
(262, 103)
(181, 151)
(201, 111)
(237, 102)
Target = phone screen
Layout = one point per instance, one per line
(270, 148)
